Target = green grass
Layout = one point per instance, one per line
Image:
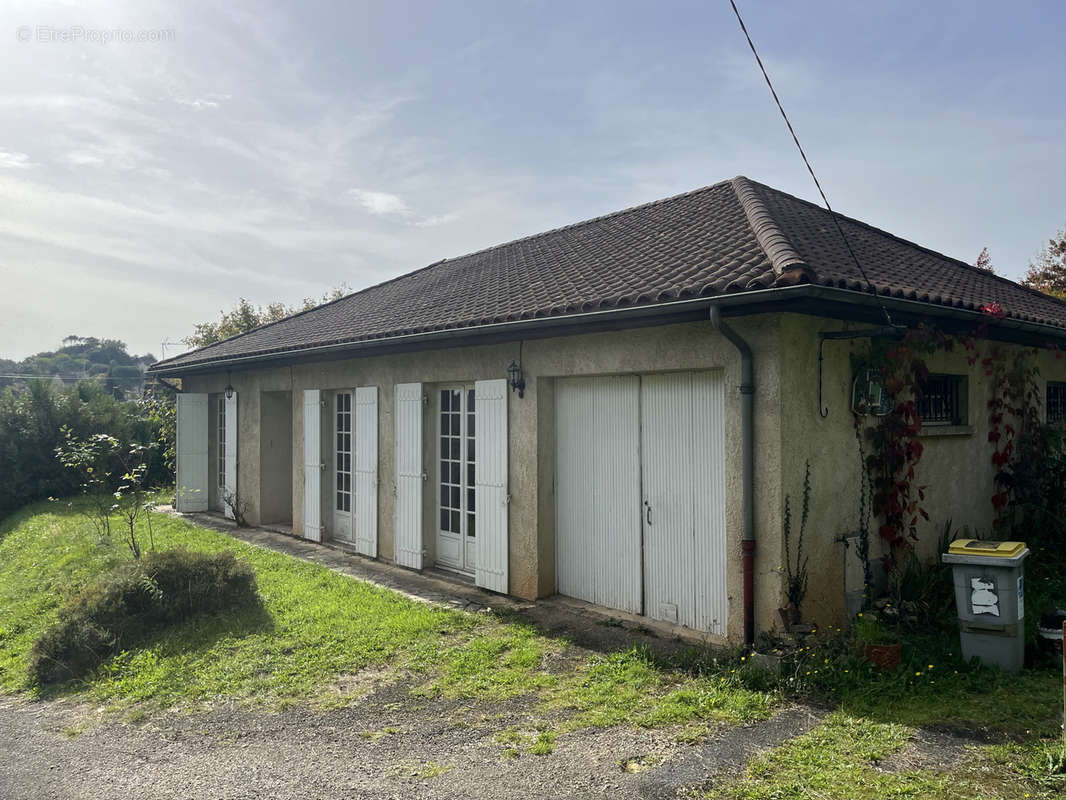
(934, 687)
(318, 632)
(325, 639)
(879, 713)
(842, 759)
(316, 625)
(630, 686)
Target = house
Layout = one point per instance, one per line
(615, 410)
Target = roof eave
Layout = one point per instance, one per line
(804, 298)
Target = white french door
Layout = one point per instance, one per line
(343, 509)
(456, 469)
(220, 463)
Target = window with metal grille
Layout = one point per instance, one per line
(1056, 402)
(942, 400)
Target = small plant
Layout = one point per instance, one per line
(91, 460)
(796, 573)
(131, 496)
(1047, 765)
(869, 631)
(237, 506)
(922, 592)
(879, 644)
(113, 478)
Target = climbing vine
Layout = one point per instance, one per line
(1019, 441)
(1014, 429)
(895, 447)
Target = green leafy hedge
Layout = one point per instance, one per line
(30, 421)
(130, 603)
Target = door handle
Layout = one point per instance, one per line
(647, 511)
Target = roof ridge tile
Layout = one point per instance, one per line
(768, 233)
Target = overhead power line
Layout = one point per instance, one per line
(810, 169)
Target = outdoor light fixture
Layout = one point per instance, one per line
(516, 379)
(229, 388)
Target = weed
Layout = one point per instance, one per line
(544, 744)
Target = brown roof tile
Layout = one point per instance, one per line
(734, 236)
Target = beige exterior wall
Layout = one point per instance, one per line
(956, 467)
(532, 432)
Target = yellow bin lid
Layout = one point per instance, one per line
(979, 547)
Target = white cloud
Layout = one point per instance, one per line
(210, 100)
(166, 180)
(9, 160)
(437, 219)
(380, 203)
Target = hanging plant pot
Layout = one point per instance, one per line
(883, 656)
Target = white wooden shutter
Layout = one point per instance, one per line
(490, 473)
(230, 477)
(366, 470)
(192, 467)
(408, 525)
(313, 465)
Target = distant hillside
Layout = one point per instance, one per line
(83, 358)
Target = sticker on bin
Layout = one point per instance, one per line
(983, 597)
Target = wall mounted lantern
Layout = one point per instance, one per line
(229, 388)
(516, 379)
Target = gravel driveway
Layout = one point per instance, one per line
(390, 745)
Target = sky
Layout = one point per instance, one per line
(158, 160)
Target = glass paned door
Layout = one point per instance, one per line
(342, 467)
(457, 528)
(220, 467)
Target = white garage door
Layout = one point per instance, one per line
(640, 514)
(597, 480)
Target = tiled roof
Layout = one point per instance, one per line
(734, 236)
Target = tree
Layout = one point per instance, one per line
(244, 317)
(1048, 272)
(984, 261)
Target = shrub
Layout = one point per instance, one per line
(132, 602)
(30, 421)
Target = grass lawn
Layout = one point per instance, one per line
(317, 630)
(851, 758)
(871, 746)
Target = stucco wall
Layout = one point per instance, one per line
(789, 430)
(276, 458)
(955, 467)
(532, 432)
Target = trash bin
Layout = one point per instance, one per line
(990, 597)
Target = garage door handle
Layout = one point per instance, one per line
(647, 507)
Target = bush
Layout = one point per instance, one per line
(30, 423)
(134, 601)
